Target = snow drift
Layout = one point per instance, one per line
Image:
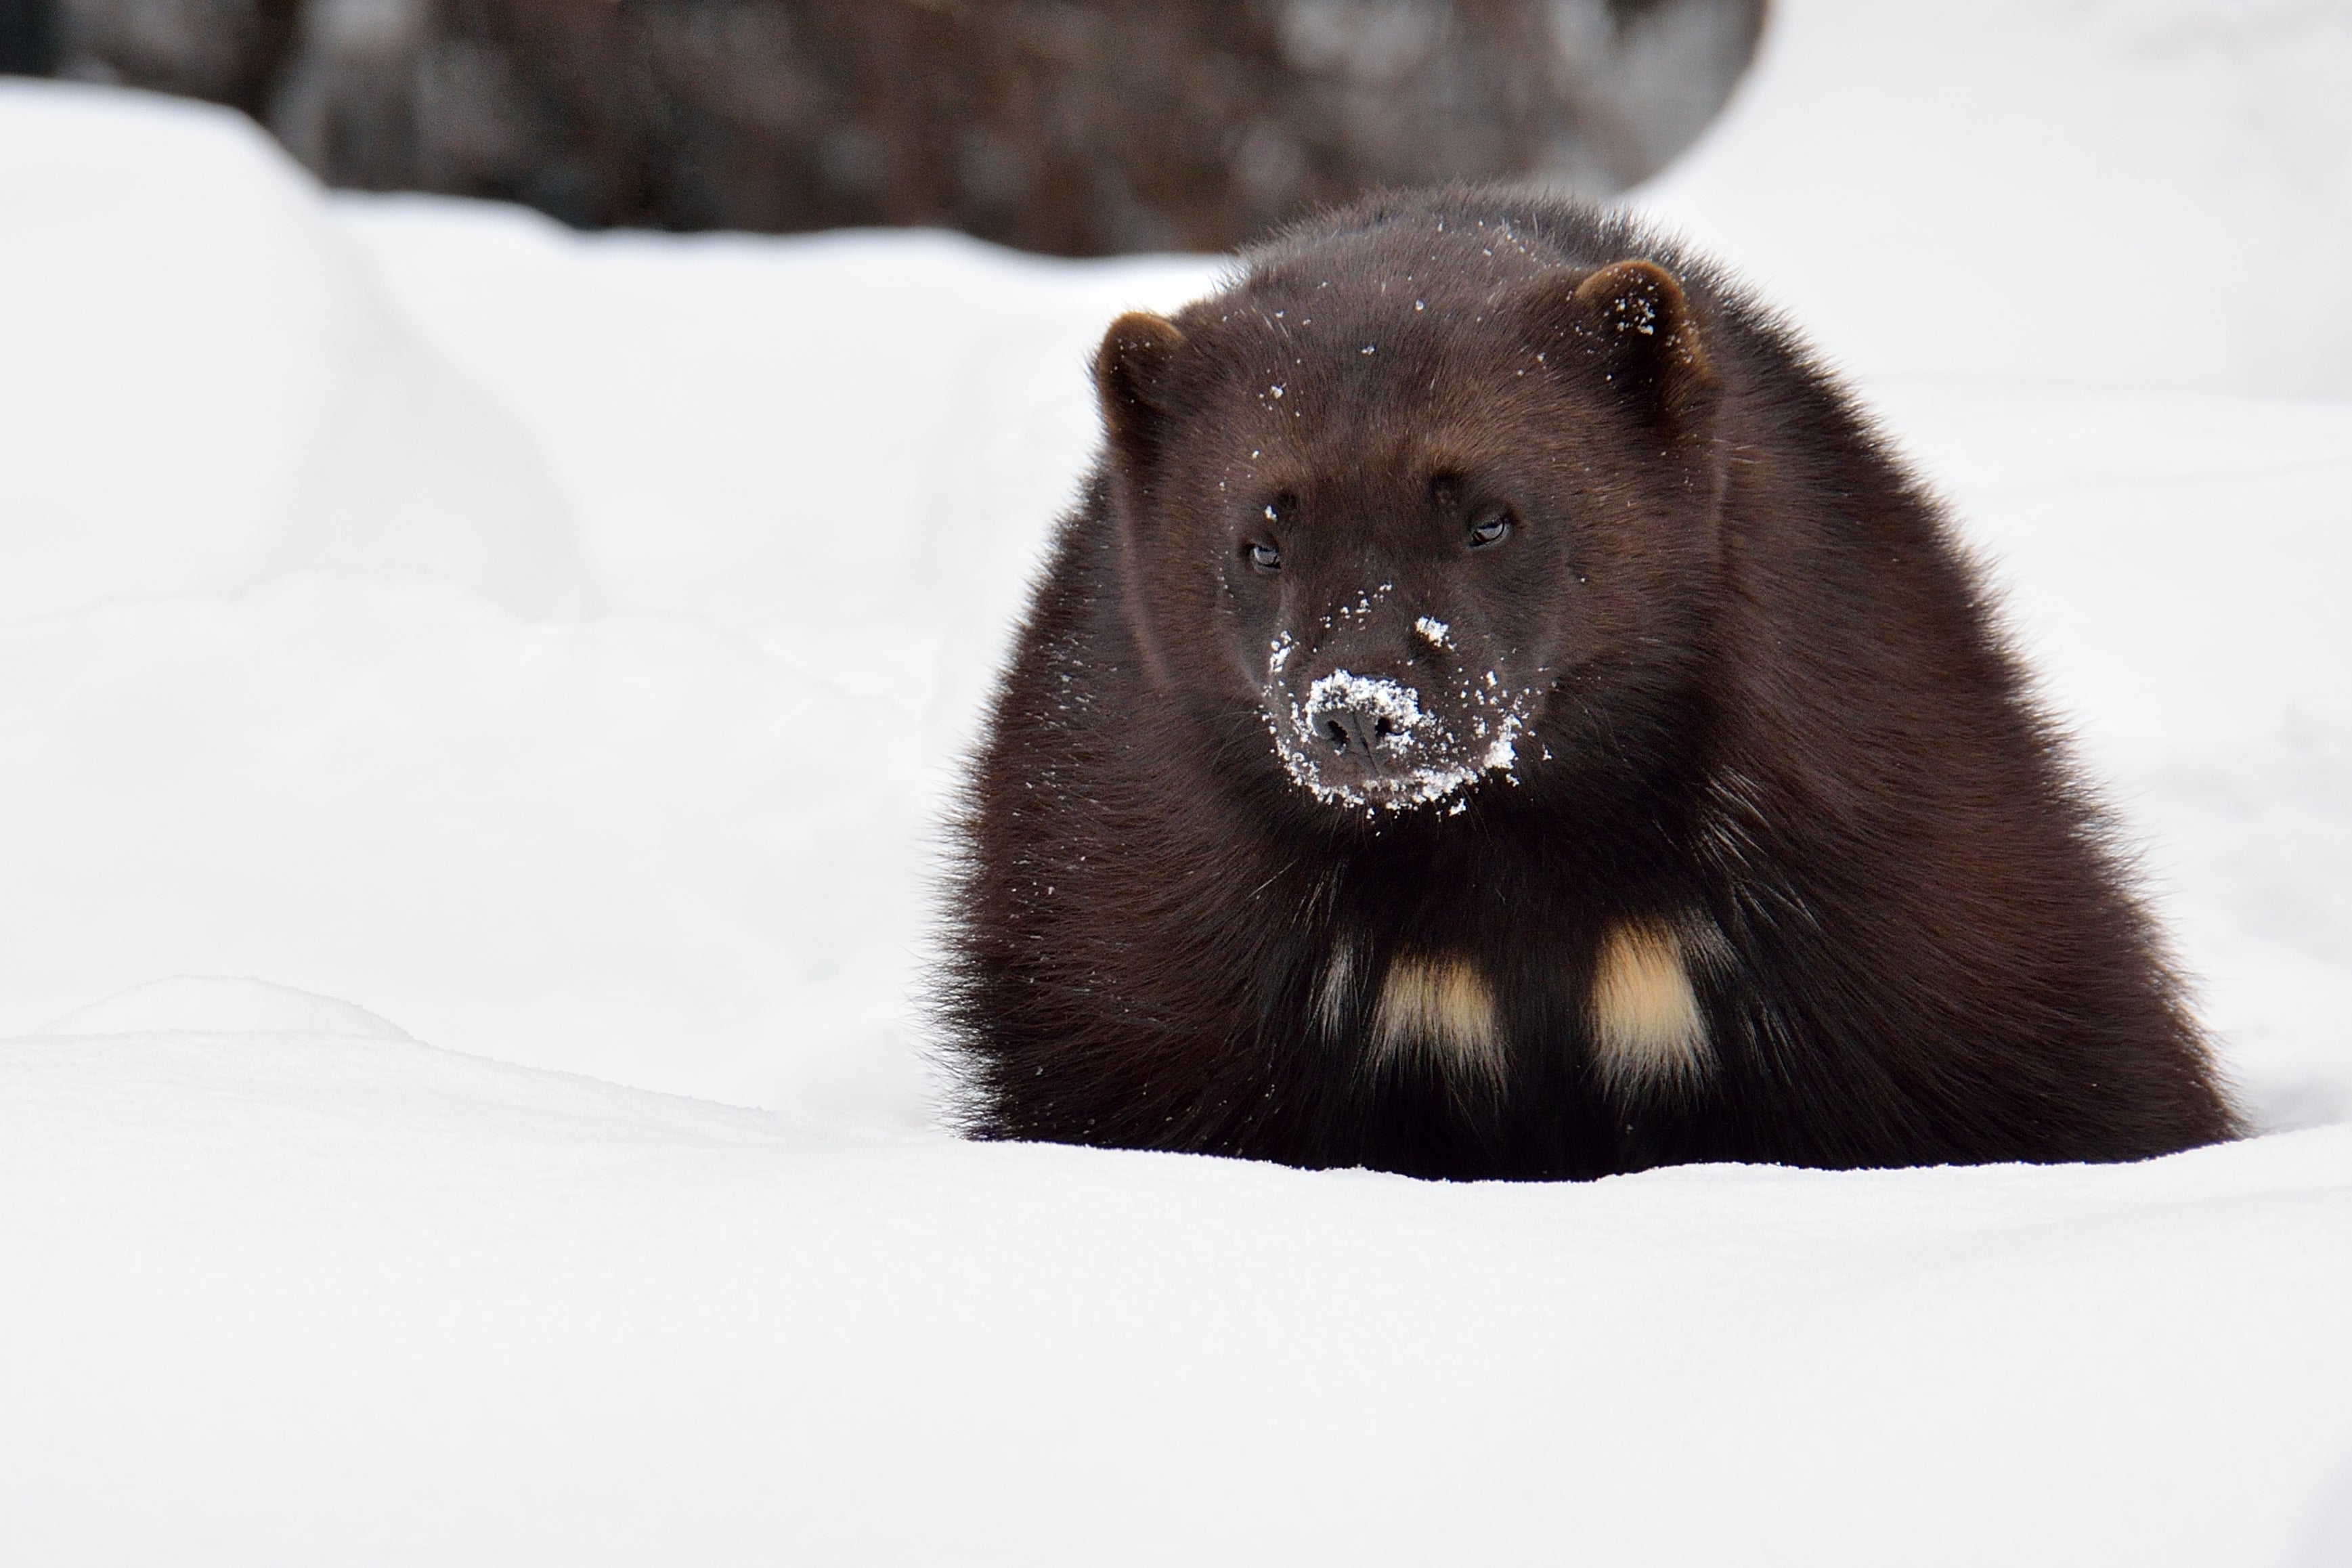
(277, 1300)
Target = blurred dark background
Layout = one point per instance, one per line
(1079, 129)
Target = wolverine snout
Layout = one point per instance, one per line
(1363, 717)
(1354, 728)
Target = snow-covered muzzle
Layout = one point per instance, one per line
(1378, 742)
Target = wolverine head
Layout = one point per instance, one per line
(1416, 495)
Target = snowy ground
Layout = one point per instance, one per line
(561, 648)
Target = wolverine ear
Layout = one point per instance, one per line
(1131, 380)
(1629, 321)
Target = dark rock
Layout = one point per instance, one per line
(1079, 129)
(28, 38)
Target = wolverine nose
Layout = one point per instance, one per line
(1354, 728)
(1361, 716)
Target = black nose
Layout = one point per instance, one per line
(1354, 727)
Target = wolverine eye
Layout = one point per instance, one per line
(1265, 556)
(1491, 528)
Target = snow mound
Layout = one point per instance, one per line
(848, 446)
(2144, 193)
(204, 386)
(277, 1300)
(639, 847)
(223, 1005)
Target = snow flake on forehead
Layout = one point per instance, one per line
(1366, 602)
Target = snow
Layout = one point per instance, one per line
(218, 1004)
(354, 1300)
(2143, 193)
(475, 703)
(161, 261)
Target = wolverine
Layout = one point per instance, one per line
(1498, 709)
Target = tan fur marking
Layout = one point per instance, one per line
(1646, 1027)
(1440, 1009)
(1331, 997)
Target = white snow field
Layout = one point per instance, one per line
(523, 672)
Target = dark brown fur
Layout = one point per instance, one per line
(1765, 705)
